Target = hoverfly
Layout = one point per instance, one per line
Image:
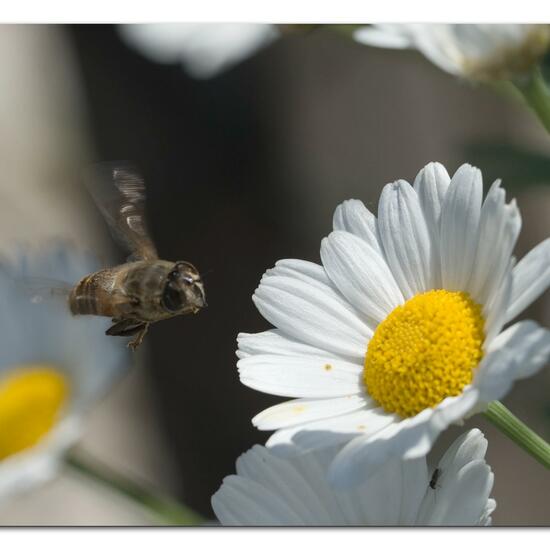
(145, 289)
(435, 477)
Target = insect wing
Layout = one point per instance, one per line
(119, 192)
(41, 289)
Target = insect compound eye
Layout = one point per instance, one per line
(171, 298)
(173, 275)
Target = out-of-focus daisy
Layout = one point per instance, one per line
(205, 49)
(269, 490)
(399, 333)
(53, 366)
(477, 52)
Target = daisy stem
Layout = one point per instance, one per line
(537, 94)
(518, 432)
(167, 510)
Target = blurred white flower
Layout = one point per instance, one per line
(269, 490)
(399, 333)
(204, 49)
(478, 52)
(53, 367)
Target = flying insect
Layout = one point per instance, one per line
(146, 289)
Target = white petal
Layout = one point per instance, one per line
(495, 311)
(459, 227)
(383, 36)
(485, 519)
(305, 271)
(455, 48)
(242, 501)
(354, 217)
(22, 471)
(438, 504)
(312, 313)
(531, 277)
(414, 482)
(483, 41)
(471, 445)
(461, 499)
(203, 49)
(393, 495)
(299, 411)
(380, 497)
(363, 456)
(295, 490)
(329, 432)
(431, 185)
(282, 479)
(273, 342)
(495, 375)
(528, 343)
(499, 228)
(437, 43)
(313, 468)
(310, 273)
(405, 238)
(409, 438)
(361, 275)
(301, 376)
(519, 352)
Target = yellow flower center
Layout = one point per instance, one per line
(31, 398)
(424, 351)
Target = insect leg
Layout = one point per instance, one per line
(139, 337)
(125, 327)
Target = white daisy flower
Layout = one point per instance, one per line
(53, 367)
(400, 332)
(269, 490)
(478, 52)
(205, 49)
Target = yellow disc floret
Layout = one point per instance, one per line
(31, 398)
(424, 351)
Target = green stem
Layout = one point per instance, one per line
(518, 432)
(164, 508)
(537, 94)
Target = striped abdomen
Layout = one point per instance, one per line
(92, 295)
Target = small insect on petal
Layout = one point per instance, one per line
(435, 476)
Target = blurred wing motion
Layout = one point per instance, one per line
(119, 192)
(40, 289)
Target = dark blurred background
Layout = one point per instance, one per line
(245, 168)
